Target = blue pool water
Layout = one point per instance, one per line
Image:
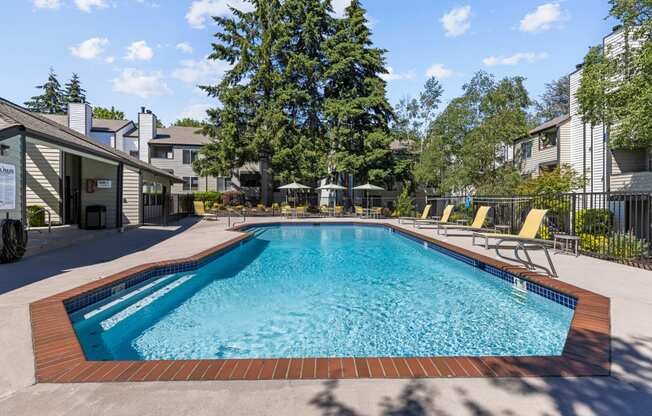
(323, 291)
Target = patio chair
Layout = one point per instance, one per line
(445, 217)
(286, 211)
(359, 212)
(200, 211)
(339, 210)
(424, 215)
(477, 225)
(377, 212)
(324, 211)
(525, 240)
(301, 211)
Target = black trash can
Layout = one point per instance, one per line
(95, 217)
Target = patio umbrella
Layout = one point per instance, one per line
(294, 186)
(332, 187)
(368, 187)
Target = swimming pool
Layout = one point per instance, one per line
(324, 291)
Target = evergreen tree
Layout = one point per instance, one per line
(74, 93)
(356, 107)
(555, 100)
(51, 100)
(108, 114)
(189, 122)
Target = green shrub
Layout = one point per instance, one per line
(404, 205)
(619, 245)
(34, 217)
(597, 221)
(208, 198)
(544, 233)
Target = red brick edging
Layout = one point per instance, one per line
(59, 357)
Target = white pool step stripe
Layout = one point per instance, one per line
(127, 296)
(127, 312)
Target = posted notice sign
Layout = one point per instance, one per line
(7, 186)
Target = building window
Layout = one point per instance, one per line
(133, 153)
(548, 140)
(190, 183)
(162, 152)
(526, 149)
(190, 156)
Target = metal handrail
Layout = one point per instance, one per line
(241, 214)
(47, 211)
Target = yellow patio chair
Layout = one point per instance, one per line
(477, 225)
(525, 239)
(339, 210)
(200, 211)
(377, 212)
(445, 217)
(301, 211)
(359, 211)
(424, 215)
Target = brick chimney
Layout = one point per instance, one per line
(80, 117)
(146, 132)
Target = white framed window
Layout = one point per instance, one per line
(526, 149)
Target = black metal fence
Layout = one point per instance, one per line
(161, 208)
(615, 226)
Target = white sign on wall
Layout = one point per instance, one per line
(104, 184)
(7, 186)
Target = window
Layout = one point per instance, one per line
(526, 149)
(133, 153)
(190, 156)
(190, 183)
(548, 139)
(162, 152)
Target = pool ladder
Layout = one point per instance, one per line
(519, 290)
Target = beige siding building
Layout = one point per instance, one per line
(71, 175)
(545, 148)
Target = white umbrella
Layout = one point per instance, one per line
(294, 186)
(332, 187)
(368, 187)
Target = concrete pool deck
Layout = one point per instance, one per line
(628, 391)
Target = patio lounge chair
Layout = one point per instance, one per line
(200, 211)
(525, 239)
(445, 217)
(359, 212)
(424, 215)
(476, 226)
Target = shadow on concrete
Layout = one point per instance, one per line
(627, 394)
(100, 250)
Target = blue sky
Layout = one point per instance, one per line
(131, 53)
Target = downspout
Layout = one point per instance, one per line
(23, 193)
(119, 197)
(584, 153)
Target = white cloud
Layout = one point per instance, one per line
(201, 71)
(87, 5)
(439, 71)
(195, 111)
(394, 76)
(47, 4)
(202, 9)
(141, 84)
(456, 22)
(139, 51)
(515, 59)
(90, 48)
(184, 47)
(339, 7)
(109, 59)
(541, 19)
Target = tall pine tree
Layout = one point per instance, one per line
(52, 99)
(74, 93)
(356, 107)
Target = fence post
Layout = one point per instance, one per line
(573, 214)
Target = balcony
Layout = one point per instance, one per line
(632, 182)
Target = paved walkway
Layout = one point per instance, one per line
(628, 392)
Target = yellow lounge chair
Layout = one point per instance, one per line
(525, 239)
(477, 225)
(200, 211)
(359, 211)
(445, 217)
(424, 215)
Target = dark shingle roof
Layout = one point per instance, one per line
(14, 115)
(99, 124)
(550, 124)
(191, 136)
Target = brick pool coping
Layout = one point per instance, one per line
(59, 357)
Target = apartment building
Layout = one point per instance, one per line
(544, 148)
